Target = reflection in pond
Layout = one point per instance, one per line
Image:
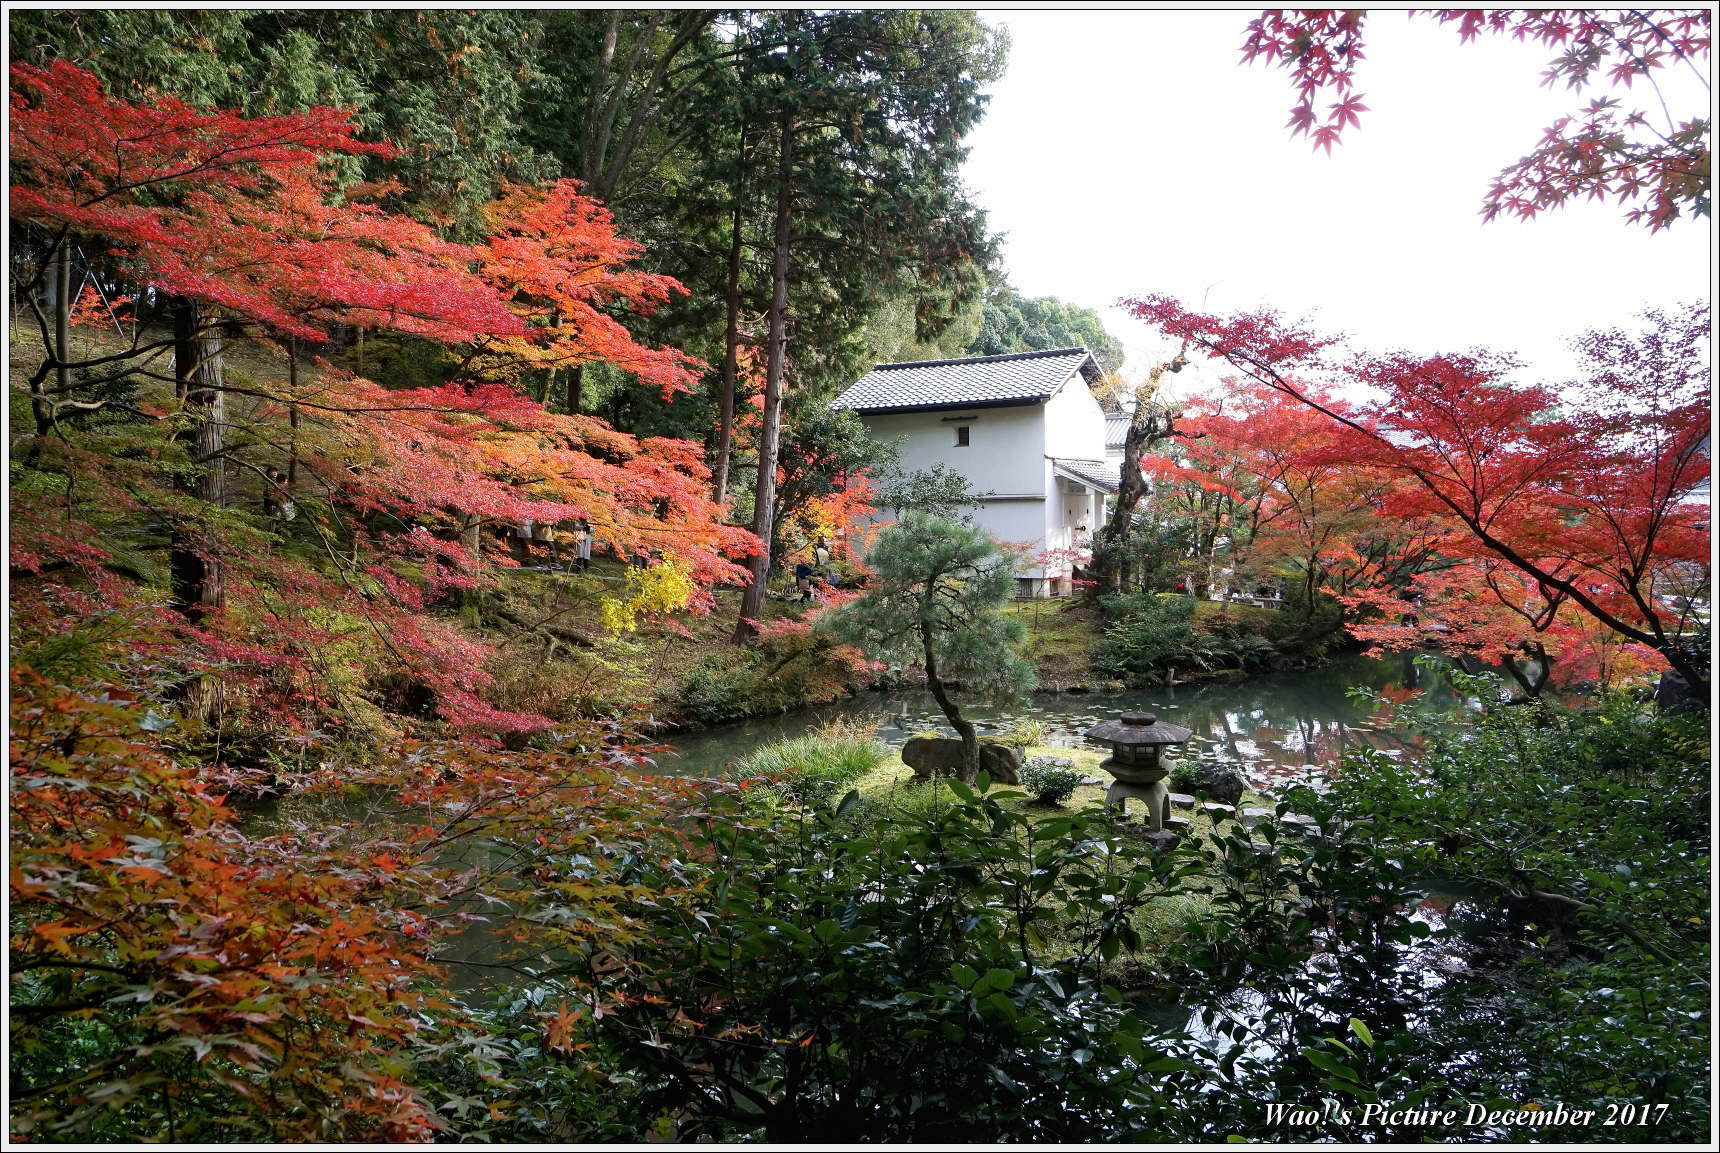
(1270, 725)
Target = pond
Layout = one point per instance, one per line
(1267, 725)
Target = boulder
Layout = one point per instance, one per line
(942, 757)
(1163, 840)
(1211, 782)
(1673, 695)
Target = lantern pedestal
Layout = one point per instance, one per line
(1156, 795)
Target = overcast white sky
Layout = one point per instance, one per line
(1128, 152)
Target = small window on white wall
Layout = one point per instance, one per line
(962, 435)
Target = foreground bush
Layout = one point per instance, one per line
(1591, 832)
(949, 969)
(182, 973)
(942, 973)
(789, 667)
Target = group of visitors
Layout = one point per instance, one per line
(531, 532)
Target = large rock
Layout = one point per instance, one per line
(1212, 782)
(942, 757)
(1673, 694)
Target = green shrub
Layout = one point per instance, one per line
(876, 983)
(1050, 780)
(584, 684)
(919, 800)
(770, 675)
(1591, 832)
(1145, 634)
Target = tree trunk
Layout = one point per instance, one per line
(1110, 568)
(770, 428)
(963, 727)
(292, 414)
(731, 337)
(195, 572)
(1543, 669)
(588, 155)
(63, 320)
(575, 389)
(197, 377)
(58, 292)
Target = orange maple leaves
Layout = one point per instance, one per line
(558, 260)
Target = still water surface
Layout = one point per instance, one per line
(1267, 725)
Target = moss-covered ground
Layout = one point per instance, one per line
(1060, 639)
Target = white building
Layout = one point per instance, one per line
(1024, 429)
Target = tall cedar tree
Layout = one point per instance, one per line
(866, 112)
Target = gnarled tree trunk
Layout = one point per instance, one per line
(1146, 426)
(964, 728)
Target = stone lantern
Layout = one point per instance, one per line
(1140, 761)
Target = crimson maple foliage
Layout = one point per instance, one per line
(1289, 509)
(178, 961)
(240, 214)
(1656, 164)
(1475, 605)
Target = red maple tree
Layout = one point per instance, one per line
(1653, 162)
(559, 261)
(280, 972)
(1594, 490)
(234, 226)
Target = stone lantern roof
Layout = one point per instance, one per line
(1135, 729)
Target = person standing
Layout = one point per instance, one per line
(543, 532)
(581, 545)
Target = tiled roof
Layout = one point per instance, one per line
(1097, 473)
(1116, 428)
(975, 382)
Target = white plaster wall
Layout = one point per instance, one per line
(1005, 453)
(1015, 522)
(1074, 423)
